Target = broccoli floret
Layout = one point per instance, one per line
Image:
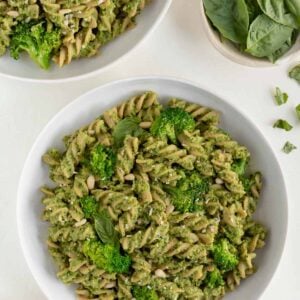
(188, 192)
(171, 122)
(239, 166)
(214, 279)
(224, 255)
(144, 293)
(102, 162)
(106, 257)
(36, 41)
(89, 206)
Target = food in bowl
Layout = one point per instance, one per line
(260, 28)
(63, 30)
(152, 202)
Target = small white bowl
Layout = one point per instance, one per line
(26, 70)
(227, 49)
(272, 210)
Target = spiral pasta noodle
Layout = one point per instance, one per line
(179, 211)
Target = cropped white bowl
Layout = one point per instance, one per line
(227, 49)
(26, 70)
(272, 209)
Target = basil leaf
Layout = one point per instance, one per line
(230, 17)
(295, 73)
(284, 48)
(280, 98)
(266, 36)
(297, 109)
(288, 147)
(283, 124)
(105, 228)
(294, 7)
(277, 11)
(253, 9)
(127, 126)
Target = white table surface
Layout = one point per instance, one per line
(178, 48)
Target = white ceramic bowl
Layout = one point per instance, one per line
(272, 210)
(227, 48)
(27, 70)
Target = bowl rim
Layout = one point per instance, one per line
(87, 75)
(239, 57)
(136, 79)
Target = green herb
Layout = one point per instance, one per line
(266, 36)
(283, 124)
(105, 228)
(295, 73)
(280, 98)
(294, 7)
(253, 9)
(230, 17)
(127, 126)
(278, 12)
(288, 147)
(297, 109)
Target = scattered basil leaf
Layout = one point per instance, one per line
(288, 147)
(283, 124)
(295, 73)
(280, 97)
(266, 36)
(284, 48)
(105, 228)
(230, 17)
(127, 126)
(278, 12)
(294, 7)
(297, 109)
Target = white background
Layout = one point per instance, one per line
(178, 48)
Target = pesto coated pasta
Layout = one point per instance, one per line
(152, 202)
(63, 30)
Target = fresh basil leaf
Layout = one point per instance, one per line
(294, 7)
(284, 48)
(278, 12)
(288, 147)
(297, 109)
(127, 126)
(295, 73)
(266, 36)
(280, 97)
(230, 17)
(283, 124)
(253, 9)
(105, 228)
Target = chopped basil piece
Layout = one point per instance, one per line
(280, 97)
(295, 73)
(283, 124)
(288, 147)
(297, 109)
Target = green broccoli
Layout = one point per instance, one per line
(89, 206)
(188, 192)
(102, 162)
(214, 279)
(106, 257)
(239, 166)
(171, 122)
(33, 38)
(144, 293)
(224, 255)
